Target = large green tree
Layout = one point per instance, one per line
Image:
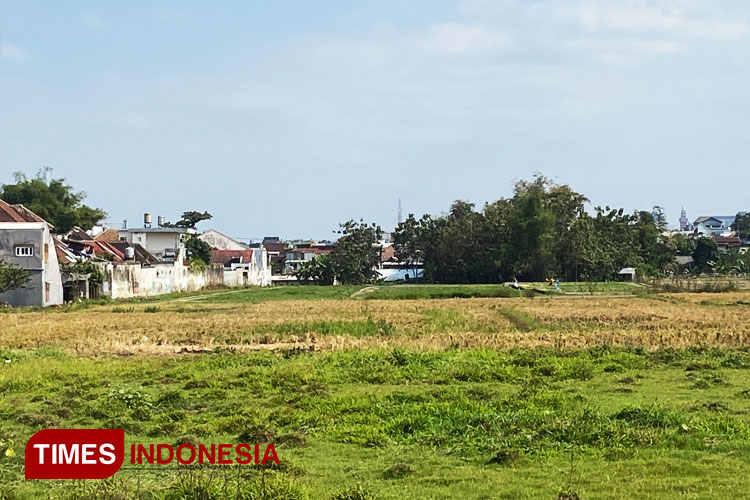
(195, 248)
(53, 200)
(705, 254)
(543, 230)
(741, 225)
(190, 219)
(321, 270)
(357, 253)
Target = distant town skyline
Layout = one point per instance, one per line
(286, 119)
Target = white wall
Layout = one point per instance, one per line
(51, 271)
(132, 280)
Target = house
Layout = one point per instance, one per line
(221, 241)
(295, 257)
(727, 243)
(275, 248)
(714, 225)
(228, 257)
(25, 241)
(163, 242)
(250, 266)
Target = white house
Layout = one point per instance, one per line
(163, 242)
(221, 241)
(714, 225)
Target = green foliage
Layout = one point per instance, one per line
(12, 276)
(356, 254)
(706, 252)
(540, 232)
(96, 275)
(683, 245)
(53, 200)
(357, 492)
(197, 265)
(741, 225)
(322, 270)
(190, 219)
(197, 249)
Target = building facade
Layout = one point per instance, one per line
(25, 241)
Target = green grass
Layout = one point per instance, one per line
(257, 294)
(402, 424)
(593, 287)
(414, 292)
(357, 328)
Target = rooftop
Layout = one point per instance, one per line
(17, 213)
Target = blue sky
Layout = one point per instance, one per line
(285, 118)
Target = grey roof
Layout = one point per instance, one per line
(726, 220)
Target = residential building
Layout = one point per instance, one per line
(714, 225)
(221, 241)
(251, 265)
(295, 257)
(25, 241)
(163, 242)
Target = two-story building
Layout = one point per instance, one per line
(25, 241)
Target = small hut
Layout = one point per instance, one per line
(627, 274)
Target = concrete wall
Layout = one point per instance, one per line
(153, 241)
(43, 267)
(220, 241)
(30, 295)
(133, 280)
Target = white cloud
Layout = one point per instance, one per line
(455, 38)
(624, 51)
(640, 18)
(12, 53)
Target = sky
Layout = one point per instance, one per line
(286, 118)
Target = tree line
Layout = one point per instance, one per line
(540, 232)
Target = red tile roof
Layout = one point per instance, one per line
(17, 213)
(225, 256)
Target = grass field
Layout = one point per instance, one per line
(395, 392)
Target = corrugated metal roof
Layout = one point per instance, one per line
(17, 213)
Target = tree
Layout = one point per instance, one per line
(682, 244)
(12, 276)
(408, 241)
(531, 230)
(190, 219)
(53, 200)
(356, 255)
(706, 251)
(197, 249)
(321, 270)
(741, 225)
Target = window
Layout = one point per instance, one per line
(24, 251)
(46, 253)
(46, 292)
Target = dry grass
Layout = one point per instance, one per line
(666, 320)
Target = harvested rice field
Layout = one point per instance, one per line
(387, 394)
